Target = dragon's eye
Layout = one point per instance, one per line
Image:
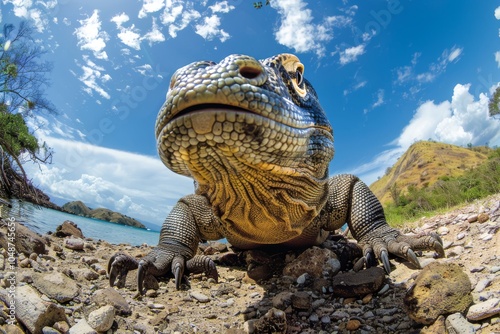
(298, 77)
(298, 80)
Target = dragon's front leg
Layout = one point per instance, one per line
(352, 201)
(176, 251)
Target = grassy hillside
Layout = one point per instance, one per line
(441, 192)
(424, 163)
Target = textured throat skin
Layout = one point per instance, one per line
(256, 140)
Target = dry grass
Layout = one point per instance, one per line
(426, 162)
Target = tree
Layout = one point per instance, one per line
(23, 79)
(494, 104)
(259, 4)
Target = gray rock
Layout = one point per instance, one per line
(102, 319)
(56, 285)
(282, 300)
(27, 241)
(98, 269)
(82, 327)
(74, 243)
(356, 284)
(89, 260)
(81, 274)
(457, 324)
(274, 321)
(50, 330)
(199, 296)
(439, 289)
(313, 261)
(301, 300)
(112, 297)
(482, 284)
(33, 312)
(67, 229)
(484, 310)
(313, 317)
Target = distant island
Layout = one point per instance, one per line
(80, 209)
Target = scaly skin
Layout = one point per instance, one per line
(257, 142)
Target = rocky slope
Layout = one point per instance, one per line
(80, 209)
(67, 290)
(424, 163)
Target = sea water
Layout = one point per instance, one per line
(43, 220)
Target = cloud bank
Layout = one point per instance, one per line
(461, 121)
(137, 185)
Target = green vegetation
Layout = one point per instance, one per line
(447, 192)
(494, 104)
(23, 78)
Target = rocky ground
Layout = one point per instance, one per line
(61, 286)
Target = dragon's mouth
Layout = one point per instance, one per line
(209, 107)
(213, 108)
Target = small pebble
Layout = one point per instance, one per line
(199, 297)
(353, 325)
(325, 319)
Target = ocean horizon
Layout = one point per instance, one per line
(43, 220)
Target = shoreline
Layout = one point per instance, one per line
(238, 303)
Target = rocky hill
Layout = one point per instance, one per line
(80, 209)
(426, 162)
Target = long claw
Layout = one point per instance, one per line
(438, 245)
(178, 270)
(370, 260)
(141, 274)
(385, 260)
(359, 264)
(410, 255)
(118, 266)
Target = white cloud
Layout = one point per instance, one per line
(150, 6)
(297, 30)
(410, 75)
(177, 17)
(497, 58)
(357, 86)
(497, 13)
(144, 69)
(221, 7)
(424, 122)
(461, 121)
(351, 54)
(23, 9)
(90, 37)
(130, 37)
(209, 29)
(437, 68)
(117, 180)
(120, 19)
(380, 99)
(404, 73)
(454, 54)
(154, 35)
(93, 78)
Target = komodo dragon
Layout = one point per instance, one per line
(255, 139)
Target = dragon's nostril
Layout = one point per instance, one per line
(250, 72)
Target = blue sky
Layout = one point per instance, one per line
(388, 73)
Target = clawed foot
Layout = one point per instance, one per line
(160, 262)
(379, 244)
(118, 267)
